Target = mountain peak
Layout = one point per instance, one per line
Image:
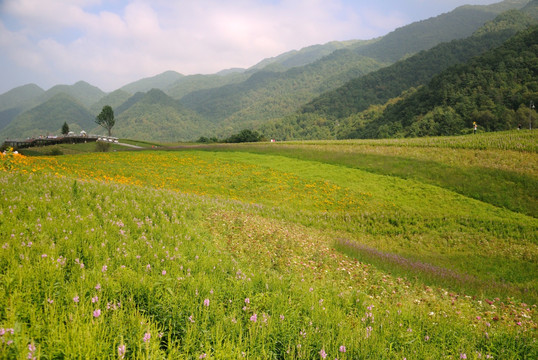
(161, 81)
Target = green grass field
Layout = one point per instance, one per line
(417, 249)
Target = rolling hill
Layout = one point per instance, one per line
(81, 91)
(17, 100)
(161, 81)
(159, 117)
(48, 118)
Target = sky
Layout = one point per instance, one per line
(112, 43)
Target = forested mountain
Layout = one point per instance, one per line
(272, 94)
(161, 81)
(305, 56)
(295, 58)
(343, 113)
(83, 92)
(114, 99)
(339, 89)
(19, 96)
(493, 90)
(155, 115)
(17, 100)
(457, 24)
(48, 118)
(268, 95)
(378, 87)
(192, 83)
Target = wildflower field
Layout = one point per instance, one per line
(337, 250)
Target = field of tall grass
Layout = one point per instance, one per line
(287, 251)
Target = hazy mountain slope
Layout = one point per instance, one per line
(17, 100)
(283, 62)
(277, 87)
(328, 114)
(192, 83)
(379, 87)
(161, 81)
(493, 90)
(83, 92)
(457, 24)
(267, 94)
(48, 118)
(114, 99)
(19, 96)
(156, 116)
(303, 56)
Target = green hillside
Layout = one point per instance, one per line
(304, 56)
(295, 58)
(83, 92)
(48, 118)
(331, 114)
(193, 83)
(493, 90)
(268, 95)
(161, 81)
(157, 116)
(459, 23)
(114, 99)
(19, 96)
(17, 100)
(313, 250)
(334, 80)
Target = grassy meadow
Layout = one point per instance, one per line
(402, 249)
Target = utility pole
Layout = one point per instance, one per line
(531, 107)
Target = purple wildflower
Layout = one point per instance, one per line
(121, 351)
(147, 336)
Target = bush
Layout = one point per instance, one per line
(245, 136)
(55, 151)
(101, 146)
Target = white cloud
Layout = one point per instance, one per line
(85, 39)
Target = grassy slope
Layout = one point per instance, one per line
(266, 228)
(497, 168)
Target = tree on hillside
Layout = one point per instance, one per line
(245, 136)
(106, 119)
(65, 128)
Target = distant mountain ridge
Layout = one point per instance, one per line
(48, 118)
(160, 117)
(411, 99)
(161, 81)
(185, 107)
(20, 96)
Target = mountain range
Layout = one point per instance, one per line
(360, 88)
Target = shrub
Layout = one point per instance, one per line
(101, 146)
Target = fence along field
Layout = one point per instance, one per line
(201, 254)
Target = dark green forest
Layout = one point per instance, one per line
(494, 90)
(441, 91)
